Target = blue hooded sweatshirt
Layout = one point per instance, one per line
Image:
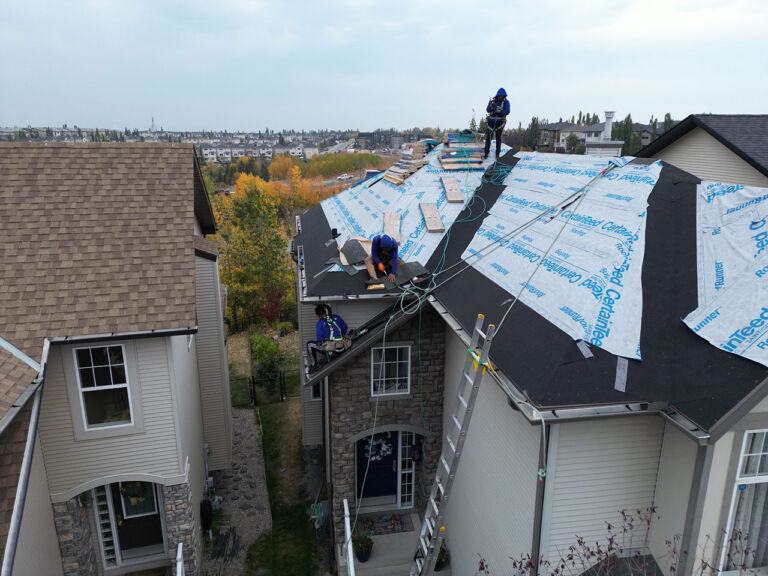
(498, 109)
(384, 248)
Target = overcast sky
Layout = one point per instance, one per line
(363, 64)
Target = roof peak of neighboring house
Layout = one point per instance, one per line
(98, 243)
(744, 134)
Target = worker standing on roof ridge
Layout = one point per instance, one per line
(498, 109)
(383, 256)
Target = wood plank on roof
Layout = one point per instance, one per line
(452, 189)
(392, 225)
(431, 217)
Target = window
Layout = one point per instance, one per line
(103, 385)
(746, 540)
(390, 370)
(317, 391)
(138, 499)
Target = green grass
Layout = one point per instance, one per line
(239, 389)
(291, 548)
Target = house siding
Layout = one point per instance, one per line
(352, 410)
(673, 488)
(212, 365)
(702, 155)
(598, 468)
(38, 549)
(492, 504)
(73, 466)
(355, 314)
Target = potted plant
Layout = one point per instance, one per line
(442, 559)
(362, 543)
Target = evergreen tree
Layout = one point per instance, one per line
(668, 122)
(580, 117)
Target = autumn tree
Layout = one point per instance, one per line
(280, 167)
(252, 263)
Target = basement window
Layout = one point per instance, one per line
(103, 384)
(390, 370)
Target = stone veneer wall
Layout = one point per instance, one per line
(73, 526)
(351, 410)
(180, 526)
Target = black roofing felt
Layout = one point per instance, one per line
(744, 134)
(315, 234)
(678, 367)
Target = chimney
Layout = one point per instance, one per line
(608, 124)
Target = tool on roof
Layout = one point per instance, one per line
(432, 530)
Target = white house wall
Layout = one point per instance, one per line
(491, 508)
(702, 155)
(597, 468)
(212, 365)
(73, 466)
(38, 549)
(189, 412)
(678, 458)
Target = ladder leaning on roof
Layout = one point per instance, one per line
(432, 529)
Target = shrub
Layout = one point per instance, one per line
(266, 356)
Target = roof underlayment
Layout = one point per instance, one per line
(605, 275)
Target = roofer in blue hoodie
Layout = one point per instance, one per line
(383, 256)
(498, 109)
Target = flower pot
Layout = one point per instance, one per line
(363, 555)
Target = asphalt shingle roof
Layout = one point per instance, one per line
(97, 238)
(748, 132)
(745, 134)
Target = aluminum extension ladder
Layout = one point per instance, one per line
(433, 530)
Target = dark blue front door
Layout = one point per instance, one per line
(382, 474)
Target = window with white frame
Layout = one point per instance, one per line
(390, 370)
(103, 386)
(746, 539)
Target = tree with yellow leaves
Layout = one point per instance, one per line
(253, 264)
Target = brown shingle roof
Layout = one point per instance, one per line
(207, 246)
(15, 377)
(97, 238)
(12, 443)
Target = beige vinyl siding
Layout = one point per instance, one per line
(73, 466)
(38, 549)
(212, 366)
(188, 410)
(311, 411)
(702, 155)
(491, 508)
(355, 313)
(597, 468)
(673, 489)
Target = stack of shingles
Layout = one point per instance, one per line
(462, 156)
(400, 172)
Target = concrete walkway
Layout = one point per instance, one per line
(245, 498)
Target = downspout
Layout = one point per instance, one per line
(21, 489)
(701, 471)
(327, 434)
(538, 514)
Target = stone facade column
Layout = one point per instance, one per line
(181, 526)
(74, 529)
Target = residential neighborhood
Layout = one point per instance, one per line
(375, 289)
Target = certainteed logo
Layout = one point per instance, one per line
(743, 334)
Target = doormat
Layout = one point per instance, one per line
(388, 524)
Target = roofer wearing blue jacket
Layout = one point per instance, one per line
(498, 109)
(383, 256)
(331, 332)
